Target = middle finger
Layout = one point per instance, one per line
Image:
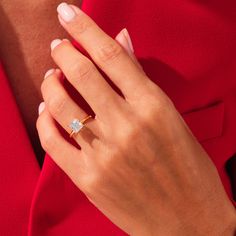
(85, 77)
(105, 51)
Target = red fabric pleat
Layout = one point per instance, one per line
(19, 169)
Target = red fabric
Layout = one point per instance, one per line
(186, 47)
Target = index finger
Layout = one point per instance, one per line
(104, 50)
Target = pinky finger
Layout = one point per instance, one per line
(64, 154)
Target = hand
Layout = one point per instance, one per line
(139, 163)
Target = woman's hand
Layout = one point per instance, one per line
(138, 163)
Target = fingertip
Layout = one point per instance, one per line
(55, 43)
(125, 41)
(48, 73)
(41, 107)
(76, 8)
(66, 12)
(120, 37)
(57, 71)
(66, 40)
(128, 38)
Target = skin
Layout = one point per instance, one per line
(26, 60)
(141, 178)
(148, 179)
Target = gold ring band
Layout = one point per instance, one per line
(85, 119)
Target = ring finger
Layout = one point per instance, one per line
(64, 110)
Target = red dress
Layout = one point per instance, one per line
(188, 48)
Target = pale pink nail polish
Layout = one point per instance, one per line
(41, 107)
(49, 72)
(66, 12)
(126, 33)
(55, 43)
(123, 40)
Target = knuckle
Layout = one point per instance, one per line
(48, 142)
(108, 52)
(44, 85)
(152, 113)
(56, 52)
(90, 184)
(157, 109)
(46, 138)
(130, 133)
(56, 104)
(133, 133)
(38, 122)
(81, 24)
(115, 154)
(81, 70)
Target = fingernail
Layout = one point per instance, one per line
(54, 43)
(122, 39)
(124, 42)
(41, 107)
(66, 12)
(127, 36)
(49, 72)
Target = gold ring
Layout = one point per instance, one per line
(76, 125)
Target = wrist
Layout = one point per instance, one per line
(222, 222)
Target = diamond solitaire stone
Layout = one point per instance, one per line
(76, 125)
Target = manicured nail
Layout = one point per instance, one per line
(41, 107)
(126, 34)
(49, 72)
(122, 39)
(123, 42)
(66, 12)
(54, 43)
